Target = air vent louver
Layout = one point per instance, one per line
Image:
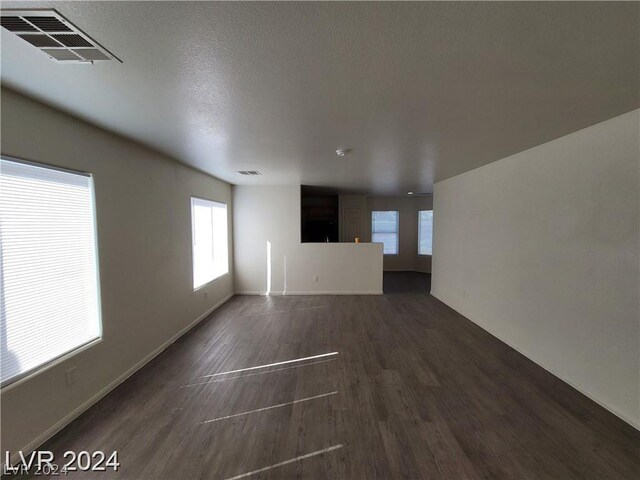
(72, 40)
(249, 172)
(39, 40)
(54, 35)
(16, 24)
(48, 24)
(90, 54)
(61, 54)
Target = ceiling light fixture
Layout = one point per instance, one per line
(409, 193)
(341, 152)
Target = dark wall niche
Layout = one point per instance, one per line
(320, 215)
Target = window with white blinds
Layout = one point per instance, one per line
(425, 232)
(384, 229)
(49, 300)
(209, 240)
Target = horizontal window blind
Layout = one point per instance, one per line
(384, 229)
(49, 303)
(425, 232)
(209, 239)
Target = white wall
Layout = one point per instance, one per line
(144, 240)
(408, 207)
(272, 214)
(542, 250)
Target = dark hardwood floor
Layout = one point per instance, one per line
(414, 390)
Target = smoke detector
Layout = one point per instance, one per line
(54, 35)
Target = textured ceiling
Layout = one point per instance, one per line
(419, 91)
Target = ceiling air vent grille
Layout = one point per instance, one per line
(249, 172)
(54, 35)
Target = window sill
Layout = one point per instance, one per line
(204, 285)
(31, 374)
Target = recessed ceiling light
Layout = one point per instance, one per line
(341, 152)
(409, 193)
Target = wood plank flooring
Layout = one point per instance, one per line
(414, 391)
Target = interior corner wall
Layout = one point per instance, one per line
(542, 249)
(270, 258)
(407, 207)
(143, 216)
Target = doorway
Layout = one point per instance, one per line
(406, 282)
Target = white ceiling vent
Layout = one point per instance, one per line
(249, 172)
(54, 35)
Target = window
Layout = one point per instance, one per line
(384, 228)
(49, 300)
(209, 239)
(425, 231)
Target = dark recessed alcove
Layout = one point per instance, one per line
(319, 210)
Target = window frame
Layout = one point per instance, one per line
(419, 222)
(226, 209)
(63, 357)
(397, 232)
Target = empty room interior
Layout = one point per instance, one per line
(352, 240)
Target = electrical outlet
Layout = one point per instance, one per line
(71, 376)
(316, 279)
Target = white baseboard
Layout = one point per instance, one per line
(325, 292)
(55, 428)
(600, 402)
